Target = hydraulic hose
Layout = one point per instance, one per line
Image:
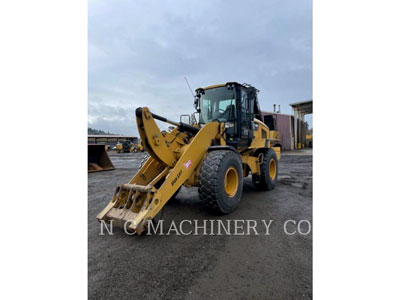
(183, 127)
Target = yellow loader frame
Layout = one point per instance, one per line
(175, 160)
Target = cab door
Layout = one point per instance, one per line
(246, 117)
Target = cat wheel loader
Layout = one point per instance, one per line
(127, 147)
(227, 143)
(119, 147)
(138, 147)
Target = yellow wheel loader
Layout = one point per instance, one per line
(138, 147)
(127, 147)
(214, 153)
(119, 147)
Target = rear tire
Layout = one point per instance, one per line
(269, 172)
(221, 181)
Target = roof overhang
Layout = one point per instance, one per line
(102, 136)
(304, 107)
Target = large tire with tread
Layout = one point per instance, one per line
(221, 181)
(269, 172)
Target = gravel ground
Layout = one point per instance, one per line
(274, 266)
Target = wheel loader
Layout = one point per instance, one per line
(138, 147)
(127, 147)
(227, 143)
(118, 147)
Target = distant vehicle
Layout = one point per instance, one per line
(127, 147)
(119, 147)
(138, 147)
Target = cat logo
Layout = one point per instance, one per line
(176, 178)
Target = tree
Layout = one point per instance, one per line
(98, 132)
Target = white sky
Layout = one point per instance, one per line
(140, 51)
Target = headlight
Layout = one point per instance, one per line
(229, 125)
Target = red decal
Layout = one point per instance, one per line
(188, 164)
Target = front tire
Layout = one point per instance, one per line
(269, 172)
(221, 181)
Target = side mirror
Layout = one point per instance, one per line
(185, 119)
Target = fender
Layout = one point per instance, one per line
(227, 147)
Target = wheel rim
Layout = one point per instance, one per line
(231, 182)
(272, 169)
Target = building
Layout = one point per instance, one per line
(111, 140)
(282, 123)
(291, 128)
(300, 109)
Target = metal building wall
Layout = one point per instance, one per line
(284, 126)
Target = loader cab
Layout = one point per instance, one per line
(233, 104)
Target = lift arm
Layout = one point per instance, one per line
(174, 157)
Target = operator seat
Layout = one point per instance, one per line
(229, 113)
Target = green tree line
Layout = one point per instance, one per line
(98, 132)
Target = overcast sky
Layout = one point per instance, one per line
(140, 51)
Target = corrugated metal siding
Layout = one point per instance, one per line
(283, 125)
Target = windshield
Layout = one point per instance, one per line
(218, 104)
